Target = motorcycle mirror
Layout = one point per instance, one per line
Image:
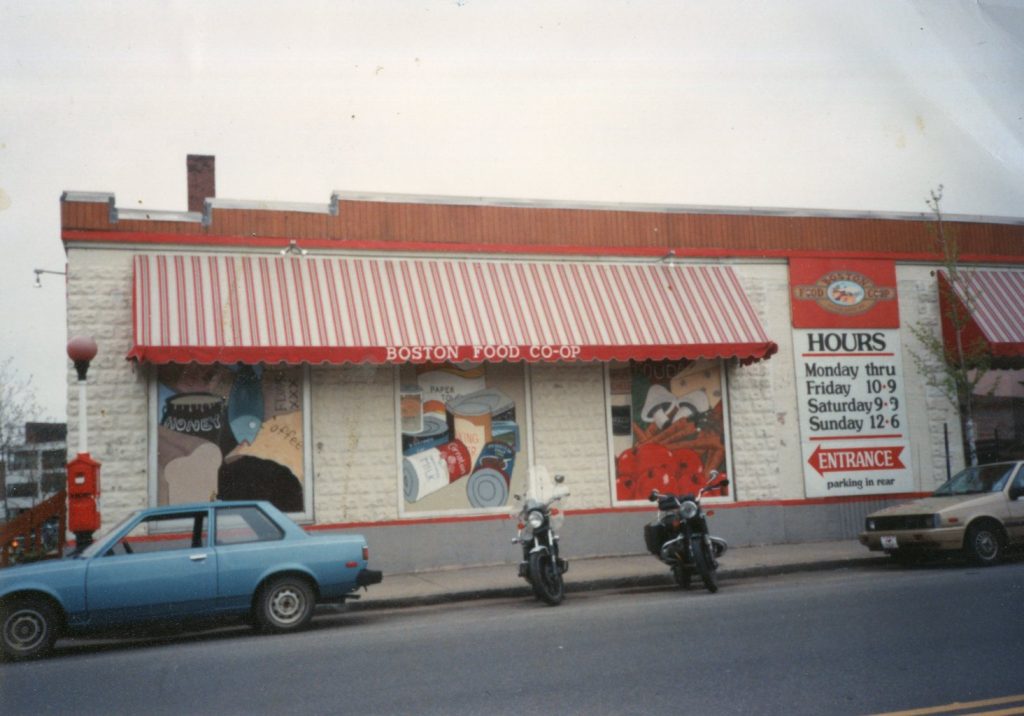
(653, 497)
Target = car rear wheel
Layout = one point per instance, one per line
(284, 604)
(28, 629)
(984, 544)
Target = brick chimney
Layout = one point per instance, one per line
(202, 182)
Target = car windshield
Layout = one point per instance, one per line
(977, 480)
(101, 543)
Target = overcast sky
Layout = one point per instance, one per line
(862, 106)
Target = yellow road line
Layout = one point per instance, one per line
(960, 706)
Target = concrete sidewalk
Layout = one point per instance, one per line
(450, 585)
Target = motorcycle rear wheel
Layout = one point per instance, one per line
(546, 578)
(705, 565)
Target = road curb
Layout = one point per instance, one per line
(607, 584)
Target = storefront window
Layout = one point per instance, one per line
(54, 482)
(998, 405)
(231, 431)
(22, 489)
(463, 435)
(668, 423)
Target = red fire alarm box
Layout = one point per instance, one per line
(83, 477)
(83, 515)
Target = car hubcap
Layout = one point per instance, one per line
(986, 545)
(24, 630)
(287, 605)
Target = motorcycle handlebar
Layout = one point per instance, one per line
(556, 498)
(552, 500)
(709, 485)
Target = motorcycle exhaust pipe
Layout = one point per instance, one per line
(673, 551)
(718, 546)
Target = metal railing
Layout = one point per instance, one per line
(37, 533)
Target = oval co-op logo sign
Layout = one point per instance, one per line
(844, 292)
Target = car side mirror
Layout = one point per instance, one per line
(1016, 491)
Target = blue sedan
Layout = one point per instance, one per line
(173, 564)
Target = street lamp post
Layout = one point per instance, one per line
(83, 471)
(81, 350)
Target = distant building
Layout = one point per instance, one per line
(35, 469)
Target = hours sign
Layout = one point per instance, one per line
(849, 378)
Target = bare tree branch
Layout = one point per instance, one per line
(18, 405)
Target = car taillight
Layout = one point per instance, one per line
(366, 553)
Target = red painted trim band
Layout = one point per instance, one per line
(136, 237)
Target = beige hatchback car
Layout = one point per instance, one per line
(979, 512)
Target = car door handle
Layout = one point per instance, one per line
(197, 557)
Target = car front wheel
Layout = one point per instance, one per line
(28, 629)
(984, 545)
(284, 604)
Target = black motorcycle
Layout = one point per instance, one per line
(679, 536)
(541, 566)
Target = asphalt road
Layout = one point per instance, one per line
(856, 641)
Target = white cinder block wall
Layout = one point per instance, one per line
(765, 424)
(570, 429)
(929, 409)
(355, 444)
(99, 286)
(354, 434)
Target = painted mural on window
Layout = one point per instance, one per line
(231, 431)
(668, 426)
(462, 440)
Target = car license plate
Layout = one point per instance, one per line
(889, 542)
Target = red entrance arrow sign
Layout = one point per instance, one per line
(855, 459)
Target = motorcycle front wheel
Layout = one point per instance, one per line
(682, 576)
(705, 565)
(546, 578)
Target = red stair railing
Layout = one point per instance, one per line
(22, 539)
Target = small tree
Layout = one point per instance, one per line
(955, 370)
(17, 406)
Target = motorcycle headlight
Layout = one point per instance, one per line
(689, 510)
(535, 519)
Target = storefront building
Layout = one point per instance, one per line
(397, 364)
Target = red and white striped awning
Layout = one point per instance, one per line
(991, 302)
(272, 309)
